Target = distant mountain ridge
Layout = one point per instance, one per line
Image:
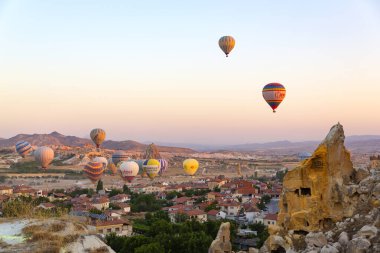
(58, 139)
(355, 143)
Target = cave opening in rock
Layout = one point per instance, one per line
(301, 232)
(285, 205)
(306, 191)
(278, 250)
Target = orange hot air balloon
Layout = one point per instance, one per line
(274, 93)
(97, 136)
(227, 43)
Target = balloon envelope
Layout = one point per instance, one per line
(274, 93)
(163, 166)
(23, 148)
(128, 170)
(98, 136)
(94, 171)
(44, 156)
(112, 167)
(190, 166)
(151, 167)
(226, 43)
(102, 160)
(119, 156)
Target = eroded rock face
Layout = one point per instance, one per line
(222, 243)
(313, 195)
(327, 205)
(151, 152)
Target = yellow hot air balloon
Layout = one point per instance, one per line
(227, 43)
(151, 167)
(190, 166)
(97, 136)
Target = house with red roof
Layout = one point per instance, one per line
(212, 214)
(120, 198)
(211, 196)
(121, 227)
(100, 202)
(189, 201)
(197, 215)
(23, 190)
(232, 208)
(46, 206)
(6, 190)
(216, 182)
(270, 219)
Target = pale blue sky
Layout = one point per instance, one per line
(152, 70)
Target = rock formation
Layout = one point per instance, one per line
(222, 243)
(151, 152)
(375, 162)
(328, 206)
(313, 196)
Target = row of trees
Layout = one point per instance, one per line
(162, 236)
(26, 207)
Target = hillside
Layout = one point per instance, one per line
(58, 139)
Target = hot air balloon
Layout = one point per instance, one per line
(119, 156)
(97, 136)
(102, 160)
(23, 148)
(44, 156)
(112, 167)
(128, 170)
(163, 166)
(141, 167)
(151, 167)
(226, 43)
(94, 171)
(190, 166)
(274, 93)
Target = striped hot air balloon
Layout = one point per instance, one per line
(151, 167)
(128, 170)
(227, 43)
(94, 171)
(98, 136)
(190, 166)
(274, 93)
(23, 148)
(44, 156)
(119, 156)
(102, 160)
(163, 166)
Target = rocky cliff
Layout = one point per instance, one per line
(327, 205)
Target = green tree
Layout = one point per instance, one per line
(171, 195)
(114, 192)
(114, 206)
(213, 206)
(126, 189)
(95, 211)
(265, 199)
(145, 203)
(200, 200)
(99, 186)
(216, 189)
(154, 247)
(181, 217)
